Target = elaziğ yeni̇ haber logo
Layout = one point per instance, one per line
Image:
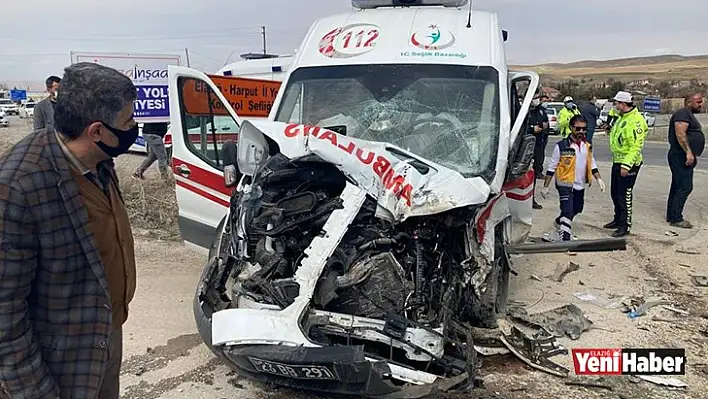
(629, 361)
(432, 38)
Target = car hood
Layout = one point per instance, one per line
(403, 183)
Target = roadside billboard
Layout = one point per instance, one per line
(149, 74)
(18, 95)
(652, 104)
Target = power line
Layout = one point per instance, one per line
(224, 33)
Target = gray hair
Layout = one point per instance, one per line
(90, 93)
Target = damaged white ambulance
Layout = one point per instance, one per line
(361, 230)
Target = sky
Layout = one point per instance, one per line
(36, 38)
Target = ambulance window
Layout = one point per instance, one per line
(206, 124)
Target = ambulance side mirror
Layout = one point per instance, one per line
(522, 157)
(229, 152)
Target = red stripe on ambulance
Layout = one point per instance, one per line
(381, 165)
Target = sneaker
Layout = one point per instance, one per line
(683, 224)
(536, 205)
(552, 236)
(138, 176)
(611, 225)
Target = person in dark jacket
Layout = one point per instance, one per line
(154, 134)
(590, 112)
(538, 127)
(67, 261)
(44, 110)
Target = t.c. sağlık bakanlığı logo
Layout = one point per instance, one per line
(432, 38)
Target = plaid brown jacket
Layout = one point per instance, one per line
(55, 313)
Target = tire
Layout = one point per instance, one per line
(203, 321)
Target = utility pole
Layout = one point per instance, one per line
(186, 52)
(263, 32)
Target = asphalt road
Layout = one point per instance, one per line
(654, 151)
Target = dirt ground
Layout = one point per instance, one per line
(164, 358)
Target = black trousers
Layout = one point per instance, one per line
(681, 186)
(539, 155)
(621, 191)
(572, 202)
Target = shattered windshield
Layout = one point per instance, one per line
(448, 114)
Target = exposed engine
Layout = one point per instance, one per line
(388, 277)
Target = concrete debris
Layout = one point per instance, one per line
(535, 277)
(671, 233)
(668, 382)
(562, 271)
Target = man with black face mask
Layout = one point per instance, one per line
(538, 127)
(573, 166)
(67, 264)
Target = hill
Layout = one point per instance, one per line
(663, 67)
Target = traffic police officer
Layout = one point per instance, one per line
(567, 112)
(538, 127)
(626, 144)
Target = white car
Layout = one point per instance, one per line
(603, 117)
(4, 120)
(9, 107)
(552, 120)
(27, 110)
(651, 119)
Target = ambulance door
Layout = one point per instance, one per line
(520, 189)
(200, 121)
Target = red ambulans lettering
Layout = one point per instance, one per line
(381, 166)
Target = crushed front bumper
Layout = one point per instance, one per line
(339, 370)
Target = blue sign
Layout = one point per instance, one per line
(18, 95)
(152, 102)
(140, 140)
(652, 104)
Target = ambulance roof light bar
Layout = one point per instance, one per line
(368, 4)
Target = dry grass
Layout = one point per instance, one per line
(659, 67)
(151, 205)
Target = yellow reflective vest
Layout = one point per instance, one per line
(627, 139)
(564, 120)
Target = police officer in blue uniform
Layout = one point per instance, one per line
(538, 127)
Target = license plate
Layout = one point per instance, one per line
(302, 372)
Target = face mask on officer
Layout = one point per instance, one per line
(570, 105)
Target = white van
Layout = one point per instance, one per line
(391, 157)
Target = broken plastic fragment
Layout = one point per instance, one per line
(566, 320)
(669, 382)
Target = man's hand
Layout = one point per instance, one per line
(544, 192)
(601, 184)
(690, 159)
(624, 172)
(537, 129)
